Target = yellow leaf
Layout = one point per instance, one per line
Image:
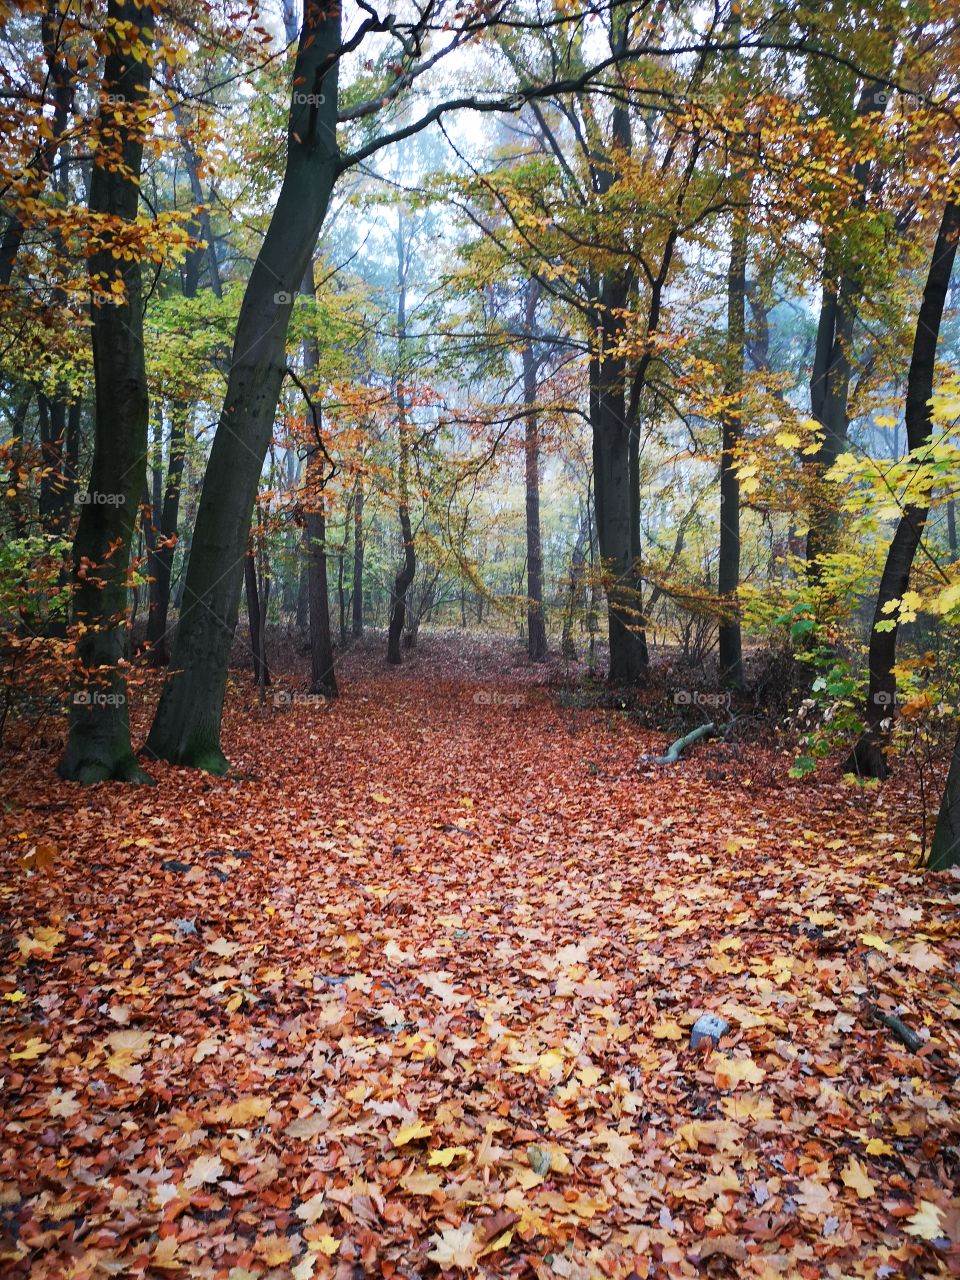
(667, 1031)
(327, 1245)
(44, 939)
(241, 1112)
(854, 1176)
(926, 1222)
(445, 1156)
(737, 1070)
(14, 997)
(33, 1049)
(874, 940)
(877, 1147)
(411, 1132)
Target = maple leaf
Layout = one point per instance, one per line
(667, 1030)
(927, 1222)
(33, 1049)
(456, 1247)
(41, 940)
(240, 1113)
(204, 1169)
(63, 1103)
(854, 1175)
(814, 1197)
(735, 1071)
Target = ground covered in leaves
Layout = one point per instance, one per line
(412, 993)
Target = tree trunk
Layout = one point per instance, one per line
(832, 368)
(161, 560)
(98, 746)
(187, 724)
(730, 647)
(323, 677)
(952, 527)
(536, 624)
(577, 566)
(408, 567)
(357, 626)
(945, 850)
(255, 618)
(869, 757)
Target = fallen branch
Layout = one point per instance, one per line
(676, 749)
(898, 1027)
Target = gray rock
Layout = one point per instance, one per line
(709, 1026)
(174, 864)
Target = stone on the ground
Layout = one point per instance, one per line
(709, 1026)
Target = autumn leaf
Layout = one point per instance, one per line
(411, 1133)
(854, 1176)
(33, 1049)
(204, 1169)
(311, 1210)
(927, 1222)
(455, 1247)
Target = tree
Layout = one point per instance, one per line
(98, 746)
(869, 755)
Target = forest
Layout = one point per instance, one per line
(479, 663)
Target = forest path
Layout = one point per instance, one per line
(434, 952)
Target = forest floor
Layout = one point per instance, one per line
(412, 992)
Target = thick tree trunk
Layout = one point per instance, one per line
(945, 850)
(869, 757)
(98, 746)
(357, 622)
(730, 647)
(615, 517)
(536, 624)
(187, 725)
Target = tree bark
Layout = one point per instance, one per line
(869, 757)
(945, 850)
(832, 367)
(408, 567)
(357, 621)
(261, 671)
(536, 624)
(98, 745)
(323, 677)
(161, 556)
(730, 646)
(187, 724)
